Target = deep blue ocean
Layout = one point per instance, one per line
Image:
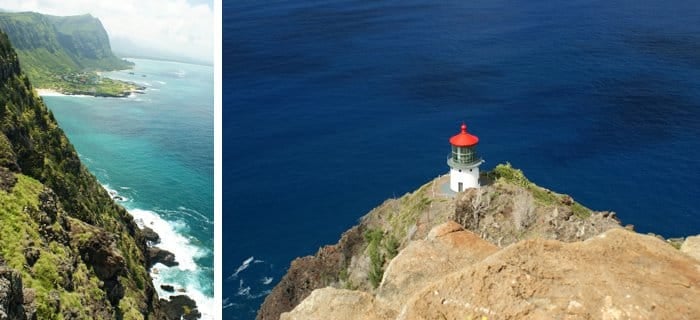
(155, 153)
(331, 107)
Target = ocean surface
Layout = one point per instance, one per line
(331, 107)
(155, 153)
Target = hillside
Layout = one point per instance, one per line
(67, 251)
(384, 261)
(65, 53)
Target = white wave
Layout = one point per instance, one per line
(185, 253)
(227, 304)
(194, 214)
(170, 239)
(243, 266)
(266, 280)
(161, 82)
(114, 194)
(244, 291)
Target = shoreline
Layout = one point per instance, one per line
(169, 242)
(44, 92)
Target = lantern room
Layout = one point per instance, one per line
(464, 161)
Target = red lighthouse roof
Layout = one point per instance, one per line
(464, 139)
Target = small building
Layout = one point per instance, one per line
(464, 162)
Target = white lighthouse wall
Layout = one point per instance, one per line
(468, 177)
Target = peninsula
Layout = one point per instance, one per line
(66, 55)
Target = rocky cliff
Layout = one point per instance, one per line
(453, 274)
(67, 251)
(508, 250)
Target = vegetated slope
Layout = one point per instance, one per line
(78, 254)
(61, 52)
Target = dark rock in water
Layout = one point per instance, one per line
(158, 255)
(118, 198)
(167, 287)
(150, 235)
(180, 307)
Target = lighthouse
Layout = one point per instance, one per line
(464, 161)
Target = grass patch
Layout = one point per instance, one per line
(376, 258)
(546, 197)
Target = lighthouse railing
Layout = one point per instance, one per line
(463, 162)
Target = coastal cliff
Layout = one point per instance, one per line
(510, 249)
(65, 53)
(67, 250)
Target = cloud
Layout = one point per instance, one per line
(174, 27)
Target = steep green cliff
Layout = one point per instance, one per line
(79, 255)
(63, 53)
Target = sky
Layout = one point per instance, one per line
(169, 29)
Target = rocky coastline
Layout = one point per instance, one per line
(178, 306)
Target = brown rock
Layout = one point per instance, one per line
(337, 304)
(619, 274)
(691, 247)
(447, 248)
(312, 272)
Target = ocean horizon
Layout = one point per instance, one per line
(153, 152)
(330, 108)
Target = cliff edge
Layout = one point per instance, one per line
(510, 249)
(618, 274)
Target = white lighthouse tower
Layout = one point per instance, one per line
(464, 161)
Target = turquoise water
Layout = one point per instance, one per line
(155, 152)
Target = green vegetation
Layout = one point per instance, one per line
(64, 53)
(42, 243)
(376, 271)
(546, 197)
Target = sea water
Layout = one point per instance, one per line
(331, 107)
(154, 153)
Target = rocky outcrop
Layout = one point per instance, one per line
(151, 236)
(691, 247)
(308, 273)
(13, 305)
(618, 274)
(506, 209)
(338, 304)
(158, 255)
(446, 248)
(180, 307)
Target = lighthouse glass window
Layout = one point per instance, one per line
(463, 154)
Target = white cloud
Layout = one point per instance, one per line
(175, 27)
